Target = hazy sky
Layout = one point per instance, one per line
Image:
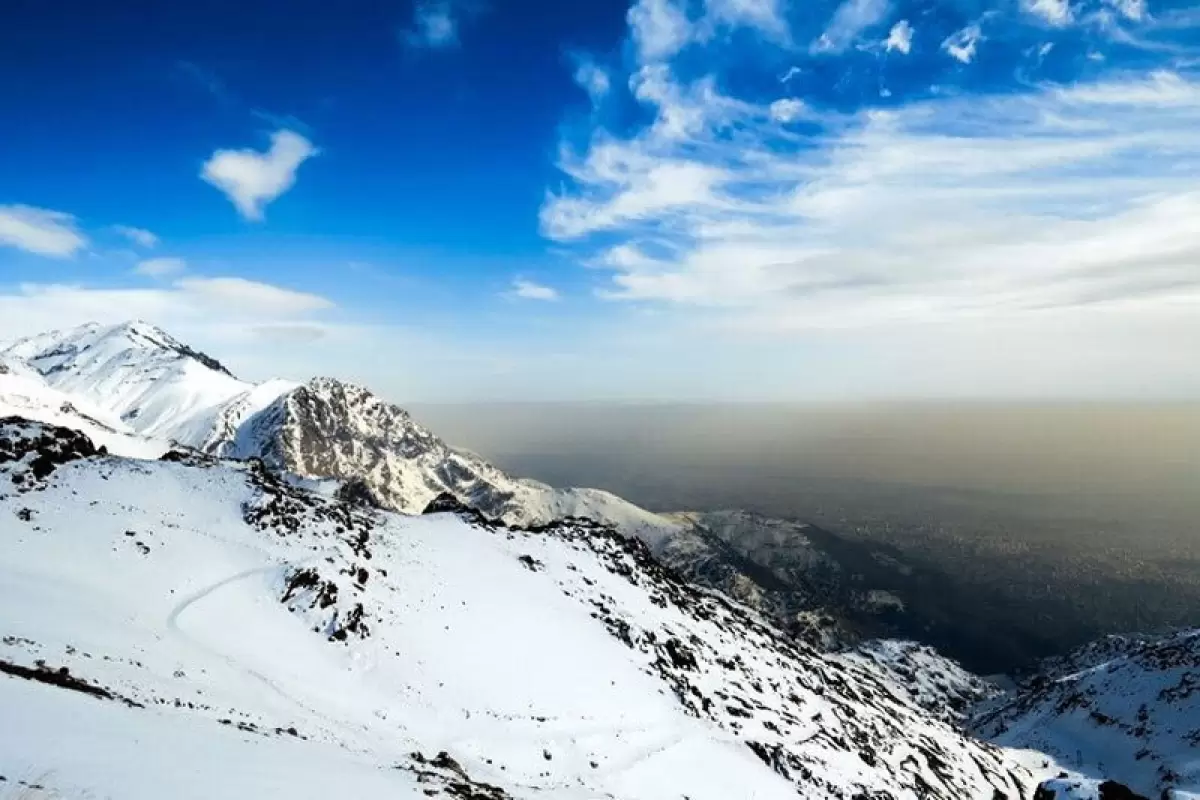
(696, 199)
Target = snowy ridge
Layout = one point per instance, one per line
(331, 429)
(211, 621)
(166, 391)
(1125, 708)
(159, 387)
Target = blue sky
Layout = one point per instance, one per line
(660, 199)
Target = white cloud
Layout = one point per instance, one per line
(1134, 10)
(528, 290)
(192, 303)
(160, 267)
(787, 110)
(1053, 12)
(241, 295)
(251, 179)
(899, 38)
(139, 236)
(435, 26)
(961, 45)
(592, 79)
(851, 18)
(766, 16)
(1054, 210)
(659, 29)
(40, 231)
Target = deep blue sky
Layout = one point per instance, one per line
(116, 106)
(755, 191)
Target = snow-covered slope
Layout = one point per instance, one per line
(197, 629)
(160, 387)
(24, 393)
(1126, 708)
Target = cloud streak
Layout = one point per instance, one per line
(160, 267)
(528, 290)
(139, 236)
(40, 231)
(851, 19)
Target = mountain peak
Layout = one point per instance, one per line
(55, 350)
(149, 336)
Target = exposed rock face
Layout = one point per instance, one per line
(330, 429)
(30, 452)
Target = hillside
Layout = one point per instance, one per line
(203, 618)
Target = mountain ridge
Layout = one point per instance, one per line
(369, 449)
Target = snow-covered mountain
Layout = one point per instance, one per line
(159, 387)
(170, 393)
(878, 719)
(330, 429)
(195, 628)
(1124, 709)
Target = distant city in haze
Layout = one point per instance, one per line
(1126, 461)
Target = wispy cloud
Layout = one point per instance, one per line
(1130, 9)
(240, 294)
(659, 28)
(251, 179)
(160, 267)
(961, 45)
(434, 25)
(1053, 12)
(954, 208)
(592, 79)
(206, 79)
(40, 231)
(787, 110)
(194, 301)
(528, 290)
(851, 19)
(899, 38)
(139, 236)
(766, 16)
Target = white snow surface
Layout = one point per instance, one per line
(24, 393)
(551, 663)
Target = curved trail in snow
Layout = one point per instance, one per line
(191, 600)
(195, 597)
